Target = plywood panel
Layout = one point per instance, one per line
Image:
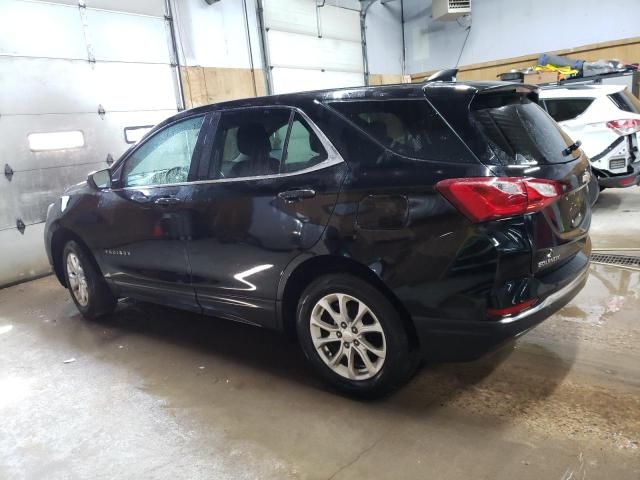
(626, 50)
(205, 85)
(384, 79)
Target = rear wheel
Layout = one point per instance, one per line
(89, 290)
(353, 336)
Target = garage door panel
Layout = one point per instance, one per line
(41, 30)
(286, 80)
(24, 254)
(130, 38)
(340, 23)
(303, 51)
(299, 16)
(29, 193)
(143, 7)
(102, 136)
(62, 86)
(132, 87)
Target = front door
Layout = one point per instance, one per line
(269, 192)
(145, 218)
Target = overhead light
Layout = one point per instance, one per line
(39, 142)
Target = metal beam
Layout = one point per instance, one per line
(264, 48)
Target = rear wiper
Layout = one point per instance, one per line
(571, 148)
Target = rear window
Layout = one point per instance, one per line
(519, 131)
(625, 100)
(562, 109)
(407, 127)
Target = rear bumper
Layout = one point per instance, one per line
(455, 340)
(621, 181)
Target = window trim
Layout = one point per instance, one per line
(546, 109)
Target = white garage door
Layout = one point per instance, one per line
(79, 72)
(312, 48)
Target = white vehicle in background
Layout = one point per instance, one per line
(606, 119)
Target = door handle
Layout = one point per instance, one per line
(140, 197)
(296, 195)
(166, 201)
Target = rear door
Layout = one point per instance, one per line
(267, 190)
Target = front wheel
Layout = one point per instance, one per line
(353, 336)
(88, 288)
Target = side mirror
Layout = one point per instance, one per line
(100, 179)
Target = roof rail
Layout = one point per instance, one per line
(448, 75)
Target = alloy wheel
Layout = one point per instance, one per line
(348, 337)
(77, 280)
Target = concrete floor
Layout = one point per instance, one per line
(157, 393)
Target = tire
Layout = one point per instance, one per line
(88, 288)
(389, 367)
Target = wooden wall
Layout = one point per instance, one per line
(626, 50)
(204, 85)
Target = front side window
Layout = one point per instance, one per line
(411, 128)
(256, 142)
(567, 108)
(165, 157)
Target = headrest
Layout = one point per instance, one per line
(253, 139)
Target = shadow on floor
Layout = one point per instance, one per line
(506, 372)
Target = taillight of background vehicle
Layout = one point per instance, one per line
(489, 198)
(624, 127)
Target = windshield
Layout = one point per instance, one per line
(519, 131)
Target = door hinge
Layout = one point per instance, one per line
(20, 226)
(8, 171)
(109, 159)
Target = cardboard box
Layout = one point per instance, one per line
(541, 77)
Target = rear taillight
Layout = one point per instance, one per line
(624, 127)
(487, 198)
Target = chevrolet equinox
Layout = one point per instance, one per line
(381, 225)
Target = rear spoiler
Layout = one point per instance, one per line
(532, 92)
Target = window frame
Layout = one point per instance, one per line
(118, 168)
(333, 156)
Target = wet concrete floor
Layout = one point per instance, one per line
(153, 392)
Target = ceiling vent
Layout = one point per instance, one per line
(447, 10)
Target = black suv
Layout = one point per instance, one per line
(382, 225)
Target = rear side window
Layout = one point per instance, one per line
(562, 109)
(407, 127)
(256, 142)
(519, 131)
(626, 101)
(304, 149)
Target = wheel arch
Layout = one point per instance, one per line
(59, 239)
(310, 268)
